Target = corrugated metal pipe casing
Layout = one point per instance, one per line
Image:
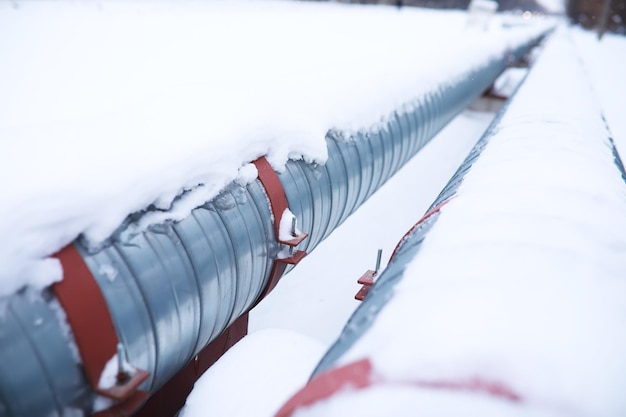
(175, 287)
(322, 197)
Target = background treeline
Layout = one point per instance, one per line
(608, 15)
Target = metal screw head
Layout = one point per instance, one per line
(122, 374)
(293, 227)
(378, 257)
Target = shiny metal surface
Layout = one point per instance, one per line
(39, 376)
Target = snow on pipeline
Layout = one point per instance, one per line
(515, 303)
(111, 108)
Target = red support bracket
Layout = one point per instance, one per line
(92, 325)
(367, 280)
(278, 206)
(125, 386)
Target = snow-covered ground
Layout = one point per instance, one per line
(110, 107)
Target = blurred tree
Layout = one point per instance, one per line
(453, 4)
(589, 14)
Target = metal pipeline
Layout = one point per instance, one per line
(174, 288)
(341, 370)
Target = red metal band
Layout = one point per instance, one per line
(359, 375)
(94, 332)
(87, 313)
(278, 204)
(278, 270)
(355, 375)
(274, 190)
(416, 225)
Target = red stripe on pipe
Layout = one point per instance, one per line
(274, 189)
(416, 225)
(87, 312)
(92, 325)
(496, 389)
(359, 375)
(355, 375)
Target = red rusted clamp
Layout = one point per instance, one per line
(279, 207)
(92, 325)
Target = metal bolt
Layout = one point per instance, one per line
(380, 254)
(122, 373)
(293, 227)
